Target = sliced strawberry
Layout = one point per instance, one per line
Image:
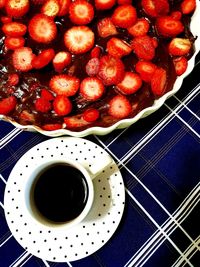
(124, 16)
(92, 88)
(81, 12)
(13, 43)
(179, 46)
(140, 28)
(111, 70)
(2, 3)
(74, 122)
(177, 15)
(96, 51)
(14, 29)
(64, 85)
(51, 8)
(145, 69)
(47, 95)
(118, 48)
(22, 59)
(106, 28)
(119, 107)
(61, 60)
(159, 81)
(91, 114)
(92, 67)
(104, 4)
(79, 39)
(143, 47)
(188, 6)
(180, 65)
(26, 116)
(62, 105)
(167, 26)
(43, 59)
(52, 126)
(7, 105)
(64, 7)
(5, 19)
(155, 8)
(42, 28)
(13, 79)
(17, 8)
(42, 105)
(130, 84)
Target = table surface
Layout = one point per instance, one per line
(159, 158)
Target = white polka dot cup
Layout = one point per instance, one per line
(60, 193)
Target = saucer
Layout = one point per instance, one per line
(80, 241)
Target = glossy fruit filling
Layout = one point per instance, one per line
(79, 64)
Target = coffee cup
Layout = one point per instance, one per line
(60, 193)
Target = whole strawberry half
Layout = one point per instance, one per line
(43, 59)
(167, 26)
(62, 105)
(179, 46)
(155, 8)
(14, 29)
(118, 48)
(111, 70)
(79, 39)
(42, 105)
(143, 47)
(180, 65)
(7, 105)
(119, 107)
(42, 28)
(61, 60)
(13, 43)
(146, 69)
(159, 81)
(106, 28)
(64, 7)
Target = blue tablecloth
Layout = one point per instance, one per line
(159, 158)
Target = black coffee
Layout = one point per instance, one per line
(60, 193)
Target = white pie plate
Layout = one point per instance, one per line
(124, 123)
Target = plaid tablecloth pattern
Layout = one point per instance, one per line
(159, 158)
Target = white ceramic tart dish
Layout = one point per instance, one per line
(124, 123)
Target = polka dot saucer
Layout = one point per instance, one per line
(54, 244)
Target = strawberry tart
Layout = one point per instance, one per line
(79, 64)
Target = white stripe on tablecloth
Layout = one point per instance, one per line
(151, 194)
(20, 259)
(183, 121)
(156, 240)
(9, 137)
(160, 125)
(1, 177)
(162, 232)
(189, 252)
(186, 107)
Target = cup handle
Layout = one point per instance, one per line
(99, 165)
